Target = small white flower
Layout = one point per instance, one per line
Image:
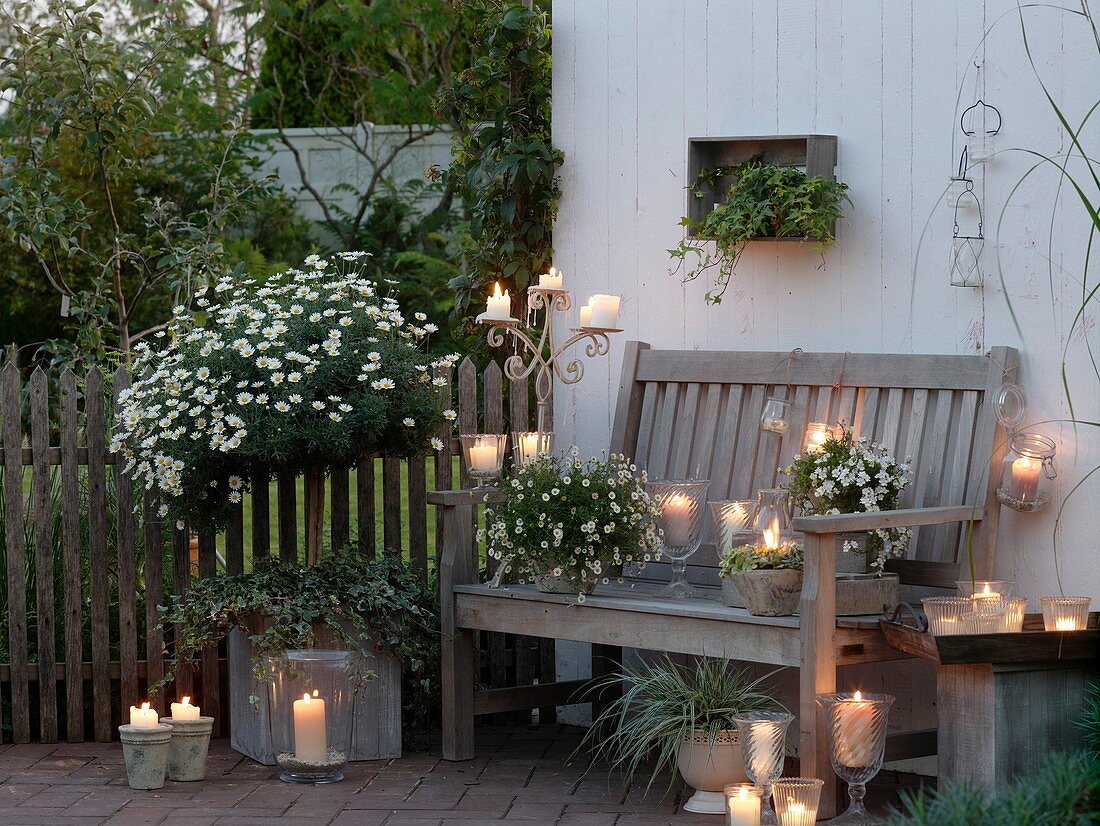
(437, 443)
(408, 422)
(383, 384)
(450, 415)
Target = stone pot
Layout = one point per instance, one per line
(145, 751)
(708, 767)
(766, 593)
(562, 584)
(188, 749)
(852, 561)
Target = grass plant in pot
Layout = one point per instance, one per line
(678, 718)
(570, 523)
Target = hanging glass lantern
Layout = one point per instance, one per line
(980, 123)
(1027, 466)
(967, 249)
(817, 433)
(774, 419)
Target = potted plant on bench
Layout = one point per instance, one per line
(767, 575)
(570, 524)
(682, 718)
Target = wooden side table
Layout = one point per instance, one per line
(1005, 702)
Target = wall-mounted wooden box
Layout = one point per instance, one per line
(816, 154)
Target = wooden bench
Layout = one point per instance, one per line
(684, 414)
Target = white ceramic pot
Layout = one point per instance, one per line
(708, 767)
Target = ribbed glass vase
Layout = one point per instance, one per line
(856, 727)
(763, 738)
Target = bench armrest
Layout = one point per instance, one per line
(470, 496)
(905, 518)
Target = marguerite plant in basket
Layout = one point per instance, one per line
(306, 371)
(850, 475)
(571, 523)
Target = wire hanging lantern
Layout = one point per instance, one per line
(981, 143)
(967, 249)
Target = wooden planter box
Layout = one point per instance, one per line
(1005, 701)
(377, 709)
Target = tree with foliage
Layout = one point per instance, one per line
(505, 166)
(124, 182)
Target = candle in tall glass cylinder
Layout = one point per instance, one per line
(857, 741)
(676, 519)
(310, 736)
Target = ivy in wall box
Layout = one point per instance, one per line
(765, 200)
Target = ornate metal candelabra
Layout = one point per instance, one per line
(543, 352)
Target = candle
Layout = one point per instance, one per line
(184, 710)
(743, 806)
(586, 315)
(1065, 624)
(144, 717)
(310, 737)
(816, 435)
(604, 313)
(798, 814)
(1025, 478)
(676, 512)
(774, 424)
(551, 280)
(498, 306)
(856, 743)
(987, 592)
(483, 456)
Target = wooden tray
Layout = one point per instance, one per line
(1032, 645)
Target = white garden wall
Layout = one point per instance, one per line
(634, 80)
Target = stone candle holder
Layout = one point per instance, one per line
(145, 751)
(188, 748)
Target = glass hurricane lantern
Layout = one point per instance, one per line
(484, 455)
(856, 728)
(763, 738)
(682, 503)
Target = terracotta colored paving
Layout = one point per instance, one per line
(520, 777)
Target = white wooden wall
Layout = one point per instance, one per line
(634, 80)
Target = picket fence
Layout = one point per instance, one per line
(80, 562)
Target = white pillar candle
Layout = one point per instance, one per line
(498, 306)
(605, 311)
(483, 456)
(551, 280)
(184, 710)
(528, 446)
(676, 520)
(586, 316)
(798, 814)
(1025, 478)
(743, 808)
(310, 737)
(144, 717)
(856, 744)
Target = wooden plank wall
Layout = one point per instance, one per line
(87, 559)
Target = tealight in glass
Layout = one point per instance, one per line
(1065, 613)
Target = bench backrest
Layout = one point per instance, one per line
(696, 414)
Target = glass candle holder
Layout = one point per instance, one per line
(981, 148)
(729, 516)
(484, 455)
(946, 615)
(776, 416)
(856, 728)
(681, 526)
(1028, 464)
(529, 445)
(796, 800)
(986, 588)
(817, 433)
(743, 802)
(1013, 617)
(763, 737)
(312, 691)
(1065, 613)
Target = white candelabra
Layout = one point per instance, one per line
(598, 319)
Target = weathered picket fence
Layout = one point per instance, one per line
(85, 570)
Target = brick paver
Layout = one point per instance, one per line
(520, 777)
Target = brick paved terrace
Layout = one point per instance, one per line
(521, 777)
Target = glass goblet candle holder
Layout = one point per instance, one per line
(1065, 613)
(763, 736)
(529, 445)
(681, 526)
(797, 799)
(947, 615)
(484, 455)
(743, 804)
(856, 728)
(312, 693)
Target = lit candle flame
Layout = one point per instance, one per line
(858, 695)
(1065, 624)
(496, 290)
(186, 701)
(771, 535)
(553, 272)
(316, 692)
(306, 698)
(144, 706)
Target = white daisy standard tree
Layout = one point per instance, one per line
(303, 373)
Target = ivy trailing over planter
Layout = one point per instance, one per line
(765, 200)
(505, 166)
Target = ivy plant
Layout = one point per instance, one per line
(765, 200)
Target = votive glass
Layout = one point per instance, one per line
(484, 455)
(763, 736)
(817, 433)
(796, 800)
(986, 588)
(947, 615)
(681, 525)
(1013, 617)
(729, 516)
(528, 445)
(743, 801)
(1065, 613)
(856, 728)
